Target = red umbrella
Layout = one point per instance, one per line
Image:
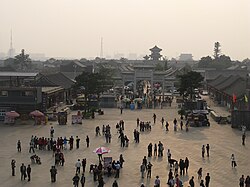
(12, 114)
(36, 113)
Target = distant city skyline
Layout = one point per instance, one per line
(67, 29)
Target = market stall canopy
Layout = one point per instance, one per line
(36, 113)
(12, 114)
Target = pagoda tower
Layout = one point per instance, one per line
(155, 53)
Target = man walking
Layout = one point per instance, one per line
(19, 149)
(78, 166)
(76, 180)
(207, 180)
(13, 165)
(142, 169)
(243, 138)
(154, 117)
(53, 172)
(203, 151)
(149, 168)
(242, 181)
(87, 140)
(28, 172)
(157, 182)
(77, 142)
(52, 132)
(207, 148)
(191, 182)
(32, 147)
(83, 180)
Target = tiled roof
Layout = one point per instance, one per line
(60, 80)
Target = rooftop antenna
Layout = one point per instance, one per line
(11, 46)
(101, 53)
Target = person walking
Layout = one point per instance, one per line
(142, 169)
(191, 182)
(84, 163)
(121, 108)
(78, 166)
(233, 161)
(157, 182)
(162, 121)
(13, 166)
(115, 184)
(53, 172)
(243, 138)
(52, 131)
(28, 172)
(82, 180)
(202, 183)
(23, 172)
(203, 151)
(32, 147)
(76, 180)
(149, 168)
(121, 160)
(207, 148)
(19, 149)
(155, 150)
(186, 163)
(207, 180)
(242, 181)
(87, 140)
(199, 172)
(77, 142)
(101, 182)
(247, 181)
(154, 117)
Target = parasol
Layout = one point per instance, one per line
(36, 113)
(12, 114)
(101, 150)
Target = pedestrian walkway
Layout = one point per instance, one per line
(223, 142)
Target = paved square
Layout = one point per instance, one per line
(223, 141)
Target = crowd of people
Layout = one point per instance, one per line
(59, 145)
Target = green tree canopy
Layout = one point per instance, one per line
(188, 82)
(217, 50)
(218, 62)
(22, 61)
(93, 84)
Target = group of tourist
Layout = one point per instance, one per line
(176, 170)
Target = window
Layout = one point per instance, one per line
(4, 93)
(27, 94)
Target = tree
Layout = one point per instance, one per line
(91, 84)
(246, 61)
(205, 62)
(22, 61)
(9, 62)
(188, 82)
(217, 50)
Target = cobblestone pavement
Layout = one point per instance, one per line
(223, 141)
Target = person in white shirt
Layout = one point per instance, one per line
(78, 166)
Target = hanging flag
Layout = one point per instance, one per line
(234, 98)
(246, 99)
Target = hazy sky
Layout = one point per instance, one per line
(73, 28)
